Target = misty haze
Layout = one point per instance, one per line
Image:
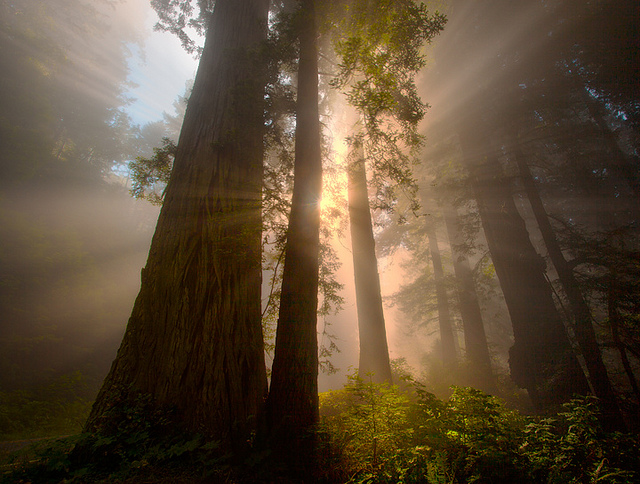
(319, 241)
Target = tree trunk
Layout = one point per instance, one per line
(194, 339)
(293, 397)
(615, 322)
(541, 359)
(374, 353)
(475, 338)
(444, 315)
(583, 327)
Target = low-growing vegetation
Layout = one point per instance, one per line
(384, 435)
(369, 433)
(58, 407)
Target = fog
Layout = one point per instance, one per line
(79, 82)
(87, 86)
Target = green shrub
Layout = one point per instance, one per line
(572, 448)
(471, 437)
(369, 433)
(135, 439)
(368, 422)
(381, 434)
(385, 435)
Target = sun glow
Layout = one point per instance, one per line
(333, 204)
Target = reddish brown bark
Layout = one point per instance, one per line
(293, 396)
(194, 339)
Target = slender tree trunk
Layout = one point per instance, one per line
(615, 323)
(293, 397)
(541, 359)
(444, 315)
(194, 339)
(374, 353)
(475, 338)
(583, 327)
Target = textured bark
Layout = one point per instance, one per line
(542, 359)
(444, 315)
(194, 339)
(475, 338)
(583, 328)
(293, 396)
(374, 352)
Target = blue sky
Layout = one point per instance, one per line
(160, 69)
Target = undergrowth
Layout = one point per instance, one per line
(368, 433)
(383, 435)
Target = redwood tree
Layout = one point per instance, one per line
(541, 359)
(582, 319)
(194, 339)
(374, 352)
(475, 338)
(292, 404)
(447, 340)
(378, 44)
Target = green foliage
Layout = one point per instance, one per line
(149, 176)
(572, 448)
(379, 47)
(368, 422)
(43, 461)
(190, 459)
(371, 433)
(181, 16)
(60, 407)
(134, 439)
(380, 434)
(476, 433)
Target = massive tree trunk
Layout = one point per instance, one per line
(374, 353)
(194, 339)
(293, 397)
(541, 359)
(583, 327)
(447, 343)
(475, 338)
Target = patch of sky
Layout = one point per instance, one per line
(159, 70)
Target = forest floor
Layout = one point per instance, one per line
(8, 447)
(25, 453)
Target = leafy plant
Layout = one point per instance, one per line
(368, 422)
(474, 432)
(572, 448)
(381, 434)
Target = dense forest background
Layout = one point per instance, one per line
(505, 228)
